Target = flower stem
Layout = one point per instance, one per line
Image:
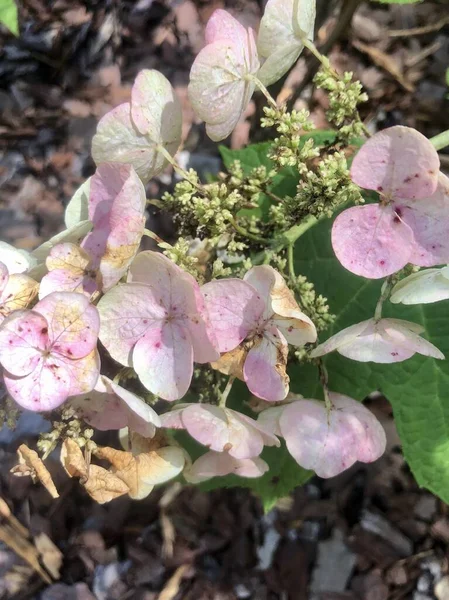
(260, 86)
(441, 140)
(291, 262)
(177, 168)
(248, 234)
(225, 393)
(384, 294)
(324, 379)
(154, 236)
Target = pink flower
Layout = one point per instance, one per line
(262, 313)
(382, 341)
(133, 132)
(49, 353)
(219, 464)
(157, 323)
(109, 406)
(411, 222)
(327, 442)
(222, 76)
(221, 429)
(17, 290)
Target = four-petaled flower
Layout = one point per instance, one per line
(221, 429)
(222, 76)
(157, 323)
(49, 353)
(261, 312)
(109, 406)
(411, 222)
(380, 341)
(219, 464)
(328, 441)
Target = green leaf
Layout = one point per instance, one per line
(9, 15)
(418, 388)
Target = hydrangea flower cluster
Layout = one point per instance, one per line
(94, 331)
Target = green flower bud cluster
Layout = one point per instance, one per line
(68, 426)
(179, 253)
(203, 211)
(250, 186)
(290, 149)
(320, 192)
(345, 95)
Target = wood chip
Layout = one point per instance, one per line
(387, 63)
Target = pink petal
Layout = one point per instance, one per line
(4, 275)
(220, 82)
(163, 360)
(180, 295)
(73, 323)
(117, 140)
(330, 443)
(371, 241)
(173, 288)
(264, 368)
(281, 306)
(156, 110)
(269, 419)
(372, 346)
(52, 381)
(116, 208)
(283, 24)
(208, 425)
(222, 26)
(16, 261)
(111, 407)
(202, 333)
(63, 280)
(127, 313)
(82, 373)
(23, 338)
(429, 221)
(219, 464)
(398, 162)
(68, 265)
(19, 292)
(173, 418)
(342, 338)
(234, 309)
(45, 388)
(400, 333)
(224, 430)
(268, 437)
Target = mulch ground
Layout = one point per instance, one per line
(370, 534)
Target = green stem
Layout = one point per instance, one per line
(441, 140)
(291, 262)
(324, 379)
(384, 294)
(226, 391)
(286, 239)
(154, 202)
(317, 54)
(260, 86)
(154, 236)
(247, 234)
(178, 169)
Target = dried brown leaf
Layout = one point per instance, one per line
(31, 465)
